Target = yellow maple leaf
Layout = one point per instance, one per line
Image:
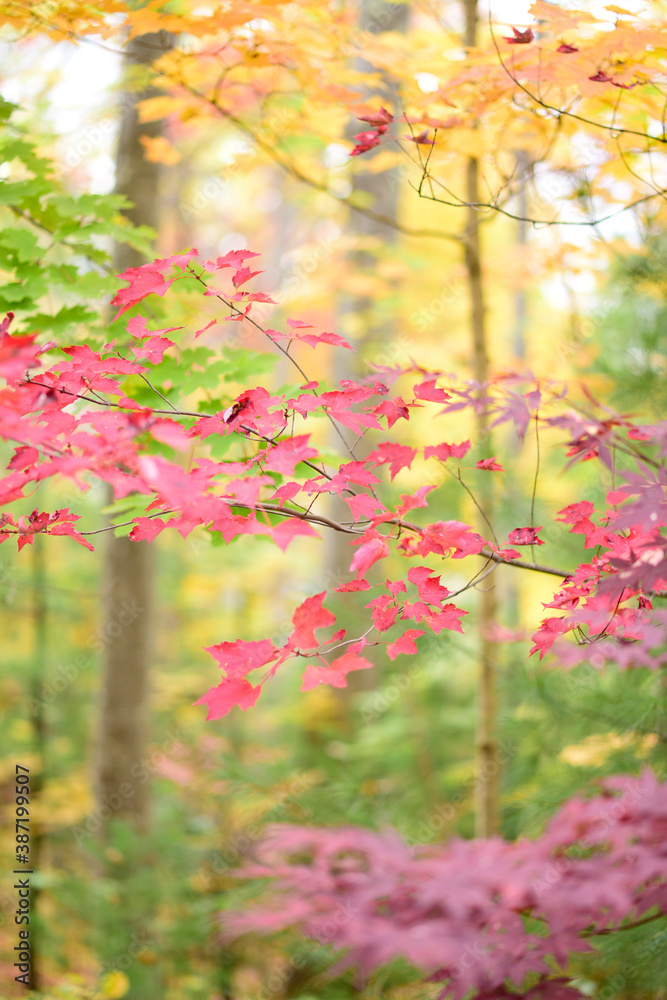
(159, 150)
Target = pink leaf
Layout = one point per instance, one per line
(449, 618)
(418, 499)
(242, 275)
(323, 338)
(147, 528)
(374, 548)
(352, 586)
(429, 390)
(336, 673)
(284, 456)
(444, 451)
(171, 433)
(292, 528)
(405, 645)
(363, 505)
(397, 456)
(226, 695)
(238, 658)
(309, 616)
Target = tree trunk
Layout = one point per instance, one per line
(375, 17)
(129, 565)
(38, 676)
(487, 779)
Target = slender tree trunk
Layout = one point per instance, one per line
(128, 585)
(487, 780)
(40, 620)
(360, 311)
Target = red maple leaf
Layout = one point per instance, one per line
(147, 528)
(226, 695)
(323, 338)
(152, 349)
(525, 536)
(373, 548)
(422, 139)
(336, 673)
(381, 117)
(398, 456)
(429, 390)
(547, 634)
(418, 499)
(520, 37)
(285, 532)
(384, 611)
(448, 618)
(24, 457)
(148, 279)
(18, 353)
(353, 585)
(444, 537)
(490, 464)
(405, 645)
(310, 615)
(234, 258)
(238, 658)
(365, 141)
(393, 409)
(242, 275)
(363, 505)
(444, 451)
(285, 455)
(428, 584)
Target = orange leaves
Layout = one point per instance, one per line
(290, 77)
(60, 21)
(160, 150)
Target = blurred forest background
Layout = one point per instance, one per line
(103, 653)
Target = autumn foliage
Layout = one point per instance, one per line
(69, 411)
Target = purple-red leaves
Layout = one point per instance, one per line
(433, 904)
